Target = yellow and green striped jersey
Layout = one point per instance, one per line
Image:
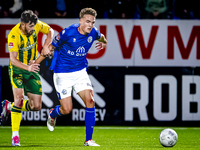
(27, 47)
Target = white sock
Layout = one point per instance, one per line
(15, 133)
(9, 106)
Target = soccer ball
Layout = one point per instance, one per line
(168, 137)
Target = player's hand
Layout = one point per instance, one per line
(34, 68)
(31, 62)
(46, 51)
(100, 45)
(51, 49)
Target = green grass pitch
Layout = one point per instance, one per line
(110, 138)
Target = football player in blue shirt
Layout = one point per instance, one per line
(69, 66)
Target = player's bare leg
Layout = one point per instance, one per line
(35, 101)
(87, 97)
(66, 105)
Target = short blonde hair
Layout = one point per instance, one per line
(87, 11)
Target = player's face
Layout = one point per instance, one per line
(28, 28)
(86, 24)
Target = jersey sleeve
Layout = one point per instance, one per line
(59, 38)
(98, 34)
(13, 42)
(42, 27)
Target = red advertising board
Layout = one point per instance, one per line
(131, 42)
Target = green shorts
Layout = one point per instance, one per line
(29, 81)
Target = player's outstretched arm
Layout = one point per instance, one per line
(38, 60)
(47, 42)
(42, 56)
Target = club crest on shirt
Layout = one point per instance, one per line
(34, 35)
(89, 39)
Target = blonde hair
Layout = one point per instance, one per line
(87, 11)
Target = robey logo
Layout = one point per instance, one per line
(79, 114)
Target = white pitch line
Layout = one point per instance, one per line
(104, 128)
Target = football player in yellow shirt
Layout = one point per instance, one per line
(24, 77)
